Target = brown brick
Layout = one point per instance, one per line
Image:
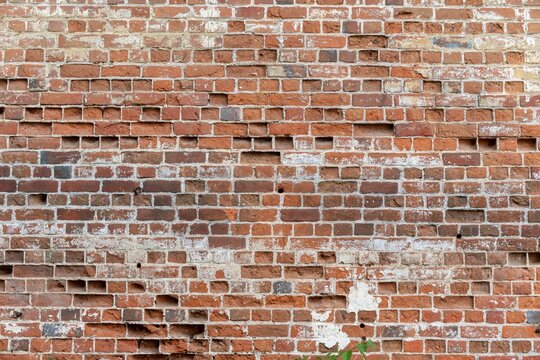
(300, 215)
(367, 41)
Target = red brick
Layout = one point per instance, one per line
(80, 71)
(230, 181)
(300, 215)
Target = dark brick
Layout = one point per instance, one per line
(63, 172)
(282, 287)
(162, 186)
(230, 114)
(59, 157)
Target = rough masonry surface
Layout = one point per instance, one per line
(262, 179)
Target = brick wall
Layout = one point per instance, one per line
(251, 180)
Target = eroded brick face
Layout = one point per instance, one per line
(260, 180)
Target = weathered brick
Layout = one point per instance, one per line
(465, 216)
(367, 41)
(461, 159)
(211, 180)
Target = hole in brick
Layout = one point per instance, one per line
(77, 285)
(198, 315)
(333, 114)
(487, 144)
(136, 287)
(242, 143)
(534, 258)
(280, 190)
(109, 142)
(138, 191)
(187, 330)
(262, 144)
(284, 143)
(148, 346)
(2, 111)
(139, 265)
(467, 144)
(326, 257)
(480, 287)
(366, 130)
(166, 300)
(526, 144)
(459, 236)
(517, 259)
(324, 143)
(33, 114)
(37, 199)
(362, 325)
(261, 157)
(6, 270)
(14, 256)
(432, 86)
(151, 114)
(70, 142)
(89, 142)
(97, 286)
(218, 99)
(188, 142)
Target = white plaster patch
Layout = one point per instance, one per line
(302, 174)
(215, 26)
(359, 298)
(320, 316)
(302, 158)
(13, 328)
(330, 335)
(488, 15)
(209, 12)
(423, 160)
(390, 245)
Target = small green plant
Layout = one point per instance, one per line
(362, 348)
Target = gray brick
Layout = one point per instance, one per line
(282, 287)
(230, 114)
(533, 317)
(63, 172)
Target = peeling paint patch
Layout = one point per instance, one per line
(302, 158)
(359, 298)
(320, 316)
